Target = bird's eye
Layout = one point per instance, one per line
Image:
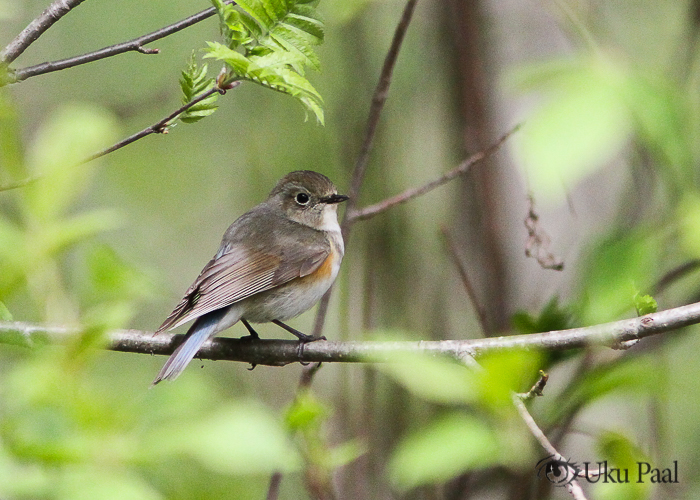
(302, 198)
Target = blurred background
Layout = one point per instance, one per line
(607, 95)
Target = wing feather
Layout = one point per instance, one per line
(237, 273)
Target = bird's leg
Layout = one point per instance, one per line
(253, 334)
(304, 338)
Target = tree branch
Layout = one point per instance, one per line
(280, 352)
(381, 93)
(462, 269)
(36, 28)
(372, 210)
(574, 487)
(161, 127)
(135, 45)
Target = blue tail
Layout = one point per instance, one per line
(203, 329)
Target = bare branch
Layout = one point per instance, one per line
(471, 293)
(381, 93)
(574, 486)
(36, 28)
(135, 45)
(409, 194)
(281, 352)
(537, 388)
(161, 127)
(273, 490)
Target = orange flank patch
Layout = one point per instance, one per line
(324, 271)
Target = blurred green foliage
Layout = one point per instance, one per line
(113, 244)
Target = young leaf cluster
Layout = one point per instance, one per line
(270, 42)
(193, 82)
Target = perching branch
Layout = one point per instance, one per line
(617, 334)
(135, 45)
(36, 28)
(161, 127)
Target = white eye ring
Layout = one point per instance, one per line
(302, 198)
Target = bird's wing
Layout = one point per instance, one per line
(237, 273)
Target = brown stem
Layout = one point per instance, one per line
(372, 210)
(574, 487)
(135, 45)
(36, 28)
(471, 293)
(161, 127)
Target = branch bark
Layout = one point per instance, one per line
(135, 45)
(372, 210)
(161, 126)
(36, 28)
(618, 334)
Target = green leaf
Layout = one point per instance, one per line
(305, 412)
(71, 134)
(5, 314)
(193, 82)
(645, 304)
(614, 269)
(552, 317)
(585, 122)
(235, 60)
(270, 42)
(452, 444)
(623, 454)
(436, 379)
(88, 483)
(257, 11)
(65, 233)
(243, 438)
(632, 376)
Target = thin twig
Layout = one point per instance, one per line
(574, 487)
(372, 210)
(161, 127)
(676, 274)
(135, 45)
(471, 293)
(281, 352)
(381, 93)
(36, 28)
(537, 388)
(274, 489)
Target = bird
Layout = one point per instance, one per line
(274, 263)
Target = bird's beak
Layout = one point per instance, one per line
(335, 198)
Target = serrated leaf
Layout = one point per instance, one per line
(270, 42)
(235, 60)
(313, 27)
(257, 11)
(302, 54)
